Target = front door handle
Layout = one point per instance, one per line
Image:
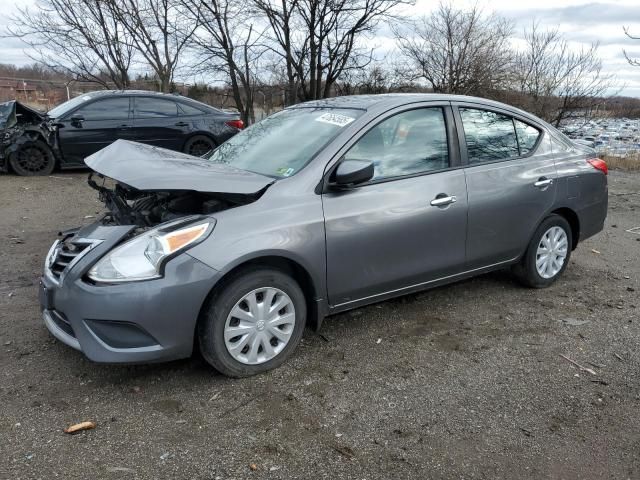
(181, 124)
(441, 201)
(543, 182)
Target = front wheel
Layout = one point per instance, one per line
(253, 323)
(33, 157)
(548, 253)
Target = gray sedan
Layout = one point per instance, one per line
(318, 209)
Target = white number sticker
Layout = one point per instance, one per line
(335, 119)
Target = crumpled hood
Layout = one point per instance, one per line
(145, 167)
(9, 112)
(7, 115)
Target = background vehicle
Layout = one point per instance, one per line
(83, 125)
(318, 209)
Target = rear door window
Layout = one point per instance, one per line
(146, 107)
(489, 136)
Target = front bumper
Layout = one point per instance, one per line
(136, 322)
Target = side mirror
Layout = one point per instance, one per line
(352, 172)
(77, 119)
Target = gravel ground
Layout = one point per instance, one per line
(464, 381)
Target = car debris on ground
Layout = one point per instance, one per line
(79, 427)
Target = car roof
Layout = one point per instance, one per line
(366, 102)
(148, 93)
(390, 100)
(99, 93)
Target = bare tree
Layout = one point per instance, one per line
(159, 31)
(555, 79)
(81, 38)
(283, 23)
(632, 61)
(319, 40)
(228, 43)
(456, 51)
(373, 79)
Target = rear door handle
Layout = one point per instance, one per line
(181, 124)
(441, 201)
(543, 182)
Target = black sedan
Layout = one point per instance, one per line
(33, 143)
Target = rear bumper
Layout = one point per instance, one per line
(137, 322)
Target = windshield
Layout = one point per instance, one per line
(284, 143)
(67, 106)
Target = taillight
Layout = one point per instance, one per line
(239, 124)
(599, 164)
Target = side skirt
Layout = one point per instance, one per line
(380, 297)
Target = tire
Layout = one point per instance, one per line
(33, 157)
(218, 319)
(527, 271)
(198, 145)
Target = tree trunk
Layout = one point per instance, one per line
(237, 97)
(165, 83)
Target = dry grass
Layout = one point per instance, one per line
(629, 162)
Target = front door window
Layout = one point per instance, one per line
(408, 143)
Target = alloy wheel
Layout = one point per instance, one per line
(32, 158)
(200, 147)
(259, 325)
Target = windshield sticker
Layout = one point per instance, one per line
(335, 119)
(285, 172)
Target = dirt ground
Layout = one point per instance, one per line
(464, 381)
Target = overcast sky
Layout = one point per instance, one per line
(582, 23)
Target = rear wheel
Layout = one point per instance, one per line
(198, 145)
(253, 324)
(548, 253)
(34, 157)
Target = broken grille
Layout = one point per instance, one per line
(64, 255)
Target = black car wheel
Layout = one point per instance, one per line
(199, 145)
(33, 157)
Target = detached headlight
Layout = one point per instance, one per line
(141, 258)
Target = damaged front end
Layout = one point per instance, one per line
(19, 126)
(129, 206)
(145, 186)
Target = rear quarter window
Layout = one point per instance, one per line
(188, 110)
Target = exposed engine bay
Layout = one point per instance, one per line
(129, 206)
